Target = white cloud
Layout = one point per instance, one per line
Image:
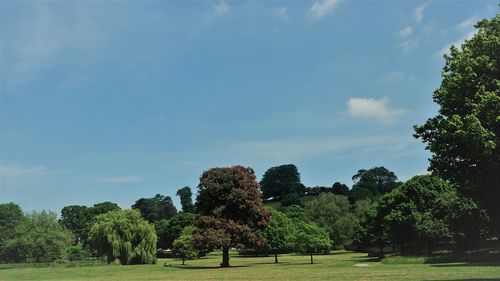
(458, 43)
(467, 24)
(280, 12)
(8, 171)
(396, 76)
(222, 8)
(120, 179)
(408, 45)
(405, 31)
(373, 108)
(419, 12)
(320, 8)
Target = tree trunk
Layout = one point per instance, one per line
(381, 252)
(312, 258)
(183, 259)
(225, 257)
(275, 258)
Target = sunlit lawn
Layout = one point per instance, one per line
(336, 266)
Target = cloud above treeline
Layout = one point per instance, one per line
(377, 109)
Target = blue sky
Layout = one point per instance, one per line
(117, 100)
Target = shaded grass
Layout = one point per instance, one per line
(336, 266)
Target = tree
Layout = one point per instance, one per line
(104, 207)
(183, 246)
(76, 219)
(38, 237)
(229, 211)
(340, 189)
(279, 234)
(169, 230)
(311, 239)
(420, 214)
(281, 180)
(464, 137)
(186, 197)
(372, 183)
(124, 235)
(332, 212)
(156, 208)
(10, 216)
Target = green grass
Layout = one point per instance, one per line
(336, 266)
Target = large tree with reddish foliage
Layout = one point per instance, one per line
(229, 211)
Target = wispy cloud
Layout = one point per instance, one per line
(396, 76)
(120, 179)
(408, 45)
(406, 31)
(222, 8)
(418, 13)
(458, 43)
(9, 171)
(373, 108)
(320, 8)
(300, 148)
(467, 23)
(280, 12)
(43, 38)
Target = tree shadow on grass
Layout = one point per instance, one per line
(469, 279)
(467, 264)
(207, 267)
(365, 259)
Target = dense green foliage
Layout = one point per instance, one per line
(169, 230)
(280, 181)
(372, 183)
(229, 211)
(156, 208)
(78, 219)
(183, 246)
(340, 189)
(10, 216)
(420, 214)
(36, 237)
(332, 212)
(186, 197)
(311, 239)
(280, 234)
(464, 136)
(124, 235)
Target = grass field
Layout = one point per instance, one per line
(336, 266)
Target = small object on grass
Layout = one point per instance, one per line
(167, 264)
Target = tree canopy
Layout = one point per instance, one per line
(311, 239)
(124, 235)
(420, 214)
(229, 211)
(332, 212)
(36, 237)
(279, 233)
(372, 183)
(464, 137)
(155, 208)
(280, 181)
(186, 197)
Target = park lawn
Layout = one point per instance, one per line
(336, 266)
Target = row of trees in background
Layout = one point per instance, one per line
(283, 183)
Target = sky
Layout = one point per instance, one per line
(119, 100)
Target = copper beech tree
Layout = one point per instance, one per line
(229, 211)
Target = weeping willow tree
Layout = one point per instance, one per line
(124, 235)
